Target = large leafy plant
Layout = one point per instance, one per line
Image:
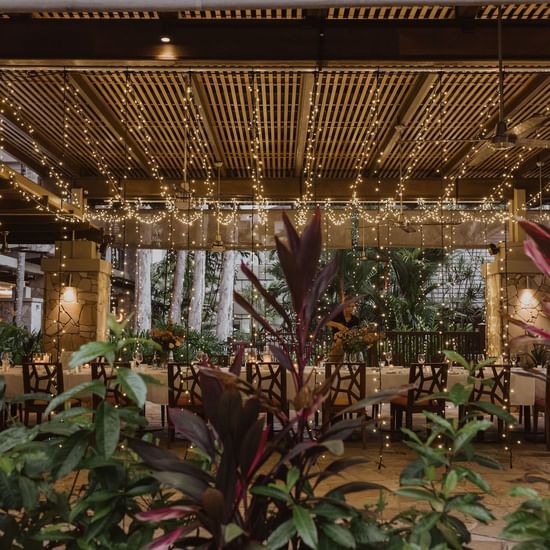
(72, 480)
(439, 477)
(257, 492)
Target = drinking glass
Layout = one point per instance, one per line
(514, 359)
(421, 358)
(382, 363)
(138, 358)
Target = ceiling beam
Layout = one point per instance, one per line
(104, 112)
(24, 158)
(201, 99)
(417, 92)
(525, 96)
(48, 148)
(304, 109)
(202, 43)
(285, 189)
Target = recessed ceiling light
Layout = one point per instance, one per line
(165, 39)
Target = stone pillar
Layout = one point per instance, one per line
(76, 315)
(514, 288)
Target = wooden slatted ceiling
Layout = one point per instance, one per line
(43, 102)
(462, 118)
(96, 15)
(514, 11)
(346, 121)
(289, 13)
(393, 12)
(231, 102)
(156, 109)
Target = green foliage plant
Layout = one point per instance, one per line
(440, 476)
(71, 481)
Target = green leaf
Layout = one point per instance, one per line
(460, 394)
(456, 358)
(468, 432)
(133, 385)
(272, 492)
(495, 410)
(305, 526)
(281, 535)
(450, 482)
(292, 476)
(107, 429)
(340, 535)
(92, 350)
(475, 478)
(17, 435)
(421, 494)
(70, 453)
(440, 421)
(231, 531)
(523, 492)
(91, 387)
(29, 493)
(115, 327)
(477, 511)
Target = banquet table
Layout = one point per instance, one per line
(522, 388)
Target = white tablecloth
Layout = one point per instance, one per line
(522, 388)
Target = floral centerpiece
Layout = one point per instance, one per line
(168, 339)
(357, 340)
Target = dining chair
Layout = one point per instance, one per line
(104, 372)
(184, 391)
(348, 387)
(427, 380)
(492, 385)
(270, 379)
(40, 378)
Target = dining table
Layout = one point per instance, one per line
(523, 389)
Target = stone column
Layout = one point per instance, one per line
(514, 288)
(75, 315)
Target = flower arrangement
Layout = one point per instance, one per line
(167, 338)
(359, 339)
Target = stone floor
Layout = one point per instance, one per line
(530, 466)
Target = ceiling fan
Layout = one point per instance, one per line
(503, 138)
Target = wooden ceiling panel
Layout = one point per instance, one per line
(167, 120)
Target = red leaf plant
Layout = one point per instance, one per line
(251, 491)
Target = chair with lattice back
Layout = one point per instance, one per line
(270, 378)
(426, 380)
(107, 375)
(347, 388)
(184, 391)
(40, 378)
(492, 385)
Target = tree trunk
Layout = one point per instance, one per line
(224, 320)
(20, 288)
(177, 290)
(143, 289)
(197, 292)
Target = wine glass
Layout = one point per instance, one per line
(138, 357)
(389, 356)
(421, 358)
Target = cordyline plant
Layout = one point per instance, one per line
(252, 492)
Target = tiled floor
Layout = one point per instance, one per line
(531, 466)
